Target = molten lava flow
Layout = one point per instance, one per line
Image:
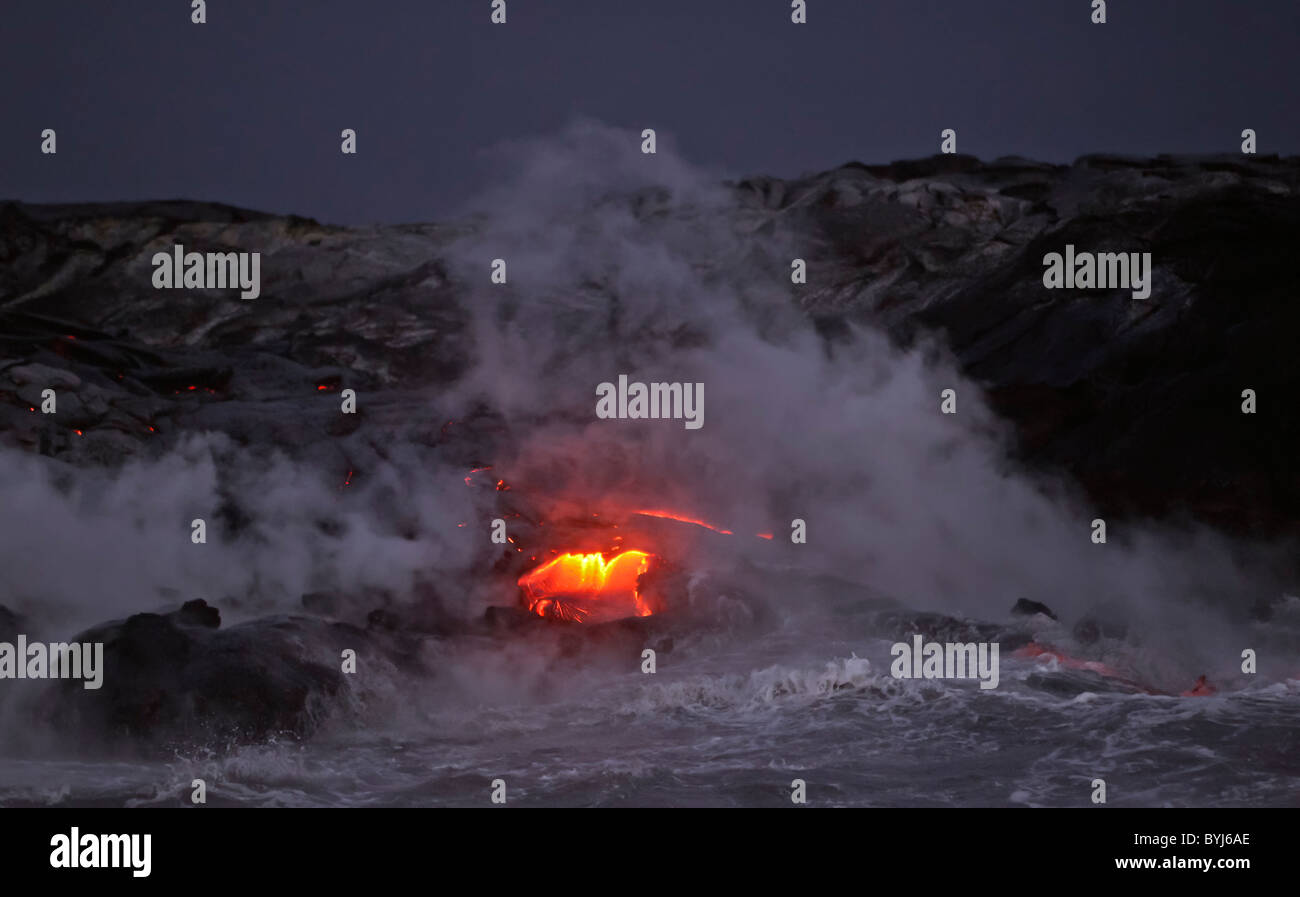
(587, 587)
(681, 518)
(669, 515)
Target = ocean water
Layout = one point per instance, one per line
(732, 717)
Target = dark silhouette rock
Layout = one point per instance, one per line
(177, 681)
(1026, 608)
(198, 613)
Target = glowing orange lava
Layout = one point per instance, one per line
(587, 587)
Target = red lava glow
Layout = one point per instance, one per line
(681, 518)
(669, 515)
(587, 587)
(501, 484)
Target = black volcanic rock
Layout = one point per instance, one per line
(1137, 400)
(176, 681)
(1026, 608)
(199, 613)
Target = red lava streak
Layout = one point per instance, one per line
(681, 518)
(587, 587)
(669, 515)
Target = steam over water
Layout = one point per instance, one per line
(735, 727)
(621, 263)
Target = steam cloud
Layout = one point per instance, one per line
(621, 262)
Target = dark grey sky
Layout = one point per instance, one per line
(247, 109)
